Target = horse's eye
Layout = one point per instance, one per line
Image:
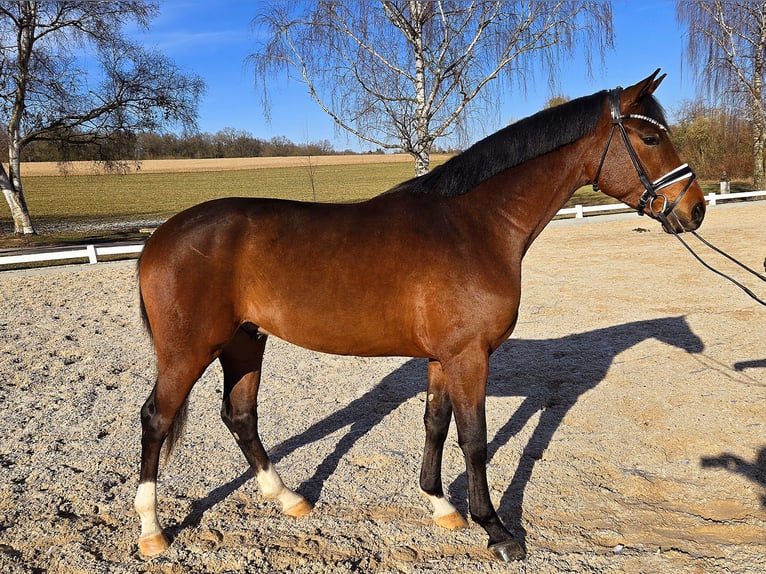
(651, 140)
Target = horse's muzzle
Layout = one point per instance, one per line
(676, 222)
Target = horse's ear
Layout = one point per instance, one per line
(643, 88)
(654, 82)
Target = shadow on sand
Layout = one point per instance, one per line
(755, 471)
(551, 375)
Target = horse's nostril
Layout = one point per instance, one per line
(698, 213)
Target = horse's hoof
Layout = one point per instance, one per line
(508, 550)
(452, 521)
(301, 508)
(153, 544)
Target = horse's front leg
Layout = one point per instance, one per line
(437, 419)
(466, 379)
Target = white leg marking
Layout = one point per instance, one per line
(445, 515)
(441, 505)
(273, 488)
(146, 507)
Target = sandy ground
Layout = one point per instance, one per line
(626, 427)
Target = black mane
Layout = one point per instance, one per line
(521, 141)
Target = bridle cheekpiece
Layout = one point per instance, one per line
(651, 188)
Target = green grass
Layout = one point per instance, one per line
(90, 198)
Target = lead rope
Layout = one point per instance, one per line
(714, 270)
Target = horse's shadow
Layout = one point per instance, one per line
(757, 364)
(551, 374)
(755, 471)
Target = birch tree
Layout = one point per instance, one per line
(402, 73)
(46, 92)
(726, 43)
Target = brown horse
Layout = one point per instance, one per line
(431, 268)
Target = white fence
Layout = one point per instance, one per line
(712, 198)
(93, 252)
(89, 252)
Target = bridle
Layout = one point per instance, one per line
(651, 188)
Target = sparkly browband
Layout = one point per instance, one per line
(646, 119)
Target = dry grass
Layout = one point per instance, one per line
(50, 168)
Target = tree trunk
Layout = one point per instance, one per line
(421, 151)
(22, 224)
(758, 140)
(759, 129)
(422, 162)
(10, 183)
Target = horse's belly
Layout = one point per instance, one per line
(341, 344)
(360, 335)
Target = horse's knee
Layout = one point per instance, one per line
(154, 426)
(148, 411)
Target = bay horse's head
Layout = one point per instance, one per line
(641, 168)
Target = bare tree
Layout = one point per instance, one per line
(402, 73)
(46, 94)
(726, 44)
(713, 140)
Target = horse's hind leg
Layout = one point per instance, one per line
(163, 413)
(437, 419)
(241, 360)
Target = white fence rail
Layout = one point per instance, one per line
(93, 252)
(712, 198)
(89, 252)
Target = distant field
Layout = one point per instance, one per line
(161, 188)
(223, 164)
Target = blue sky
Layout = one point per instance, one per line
(213, 40)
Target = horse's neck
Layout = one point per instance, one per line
(525, 198)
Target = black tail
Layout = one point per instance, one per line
(177, 429)
(144, 316)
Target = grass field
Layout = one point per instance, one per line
(162, 188)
